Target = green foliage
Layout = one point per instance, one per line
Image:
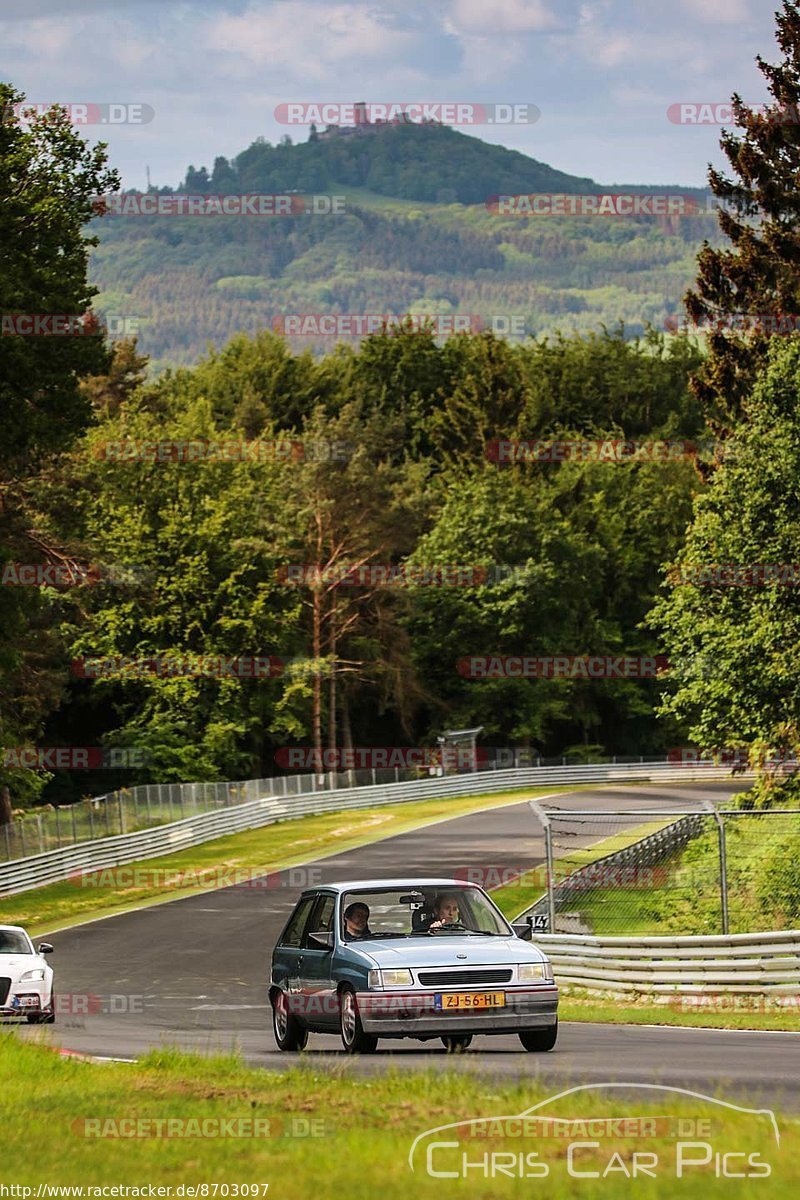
(48, 176)
(754, 272)
(402, 245)
(734, 648)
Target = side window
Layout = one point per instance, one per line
(321, 918)
(293, 932)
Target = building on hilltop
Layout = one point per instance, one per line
(364, 127)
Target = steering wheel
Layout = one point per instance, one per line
(448, 925)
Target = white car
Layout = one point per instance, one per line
(26, 981)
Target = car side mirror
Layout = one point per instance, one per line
(322, 940)
(45, 948)
(523, 930)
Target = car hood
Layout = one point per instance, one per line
(14, 964)
(443, 951)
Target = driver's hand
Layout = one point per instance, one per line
(436, 925)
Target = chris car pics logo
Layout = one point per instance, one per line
(699, 1140)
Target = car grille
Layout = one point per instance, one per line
(480, 978)
(5, 988)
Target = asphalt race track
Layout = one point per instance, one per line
(193, 973)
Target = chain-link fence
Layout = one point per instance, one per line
(148, 805)
(670, 871)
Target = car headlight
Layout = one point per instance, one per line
(540, 972)
(30, 976)
(395, 978)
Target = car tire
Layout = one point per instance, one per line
(456, 1043)
(288, 1032)
(539, 1039)
(354, 1039)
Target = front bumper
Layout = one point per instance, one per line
(412, 1013)
(23, 1004)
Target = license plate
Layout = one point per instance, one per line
(451, 1000)
(28, 1001)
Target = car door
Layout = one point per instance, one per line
(316, 982)
(286, 961)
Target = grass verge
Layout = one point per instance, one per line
(258, 851)
(362, 1132)
(724, 1011)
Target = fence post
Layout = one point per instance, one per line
(723, 866)
(74, 826)
(539, 812)
(58, 828)
(8, 843)
(121, 812)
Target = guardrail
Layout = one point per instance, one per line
(754, 963)
(24, 874)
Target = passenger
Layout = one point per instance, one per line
(356, 922)
(445, 911)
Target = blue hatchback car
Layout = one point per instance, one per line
(420, 958)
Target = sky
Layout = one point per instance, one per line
(602, 73)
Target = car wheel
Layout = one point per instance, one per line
(354, 1040)
(540, 1039)
(289, 1033)
(456, 1043)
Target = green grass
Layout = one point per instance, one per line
(258, 851)
(721, 1012)
(365, 1129)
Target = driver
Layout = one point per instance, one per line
(445, 911)
(356, 921)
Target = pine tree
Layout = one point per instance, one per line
(757, 274)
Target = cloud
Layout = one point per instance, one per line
(718, 12)
(507, 16)
(306, 40)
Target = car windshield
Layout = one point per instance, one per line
(12, 942)
(416, 911)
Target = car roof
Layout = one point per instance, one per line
(376, 885)
(13, 928)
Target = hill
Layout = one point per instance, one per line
(416, 235)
